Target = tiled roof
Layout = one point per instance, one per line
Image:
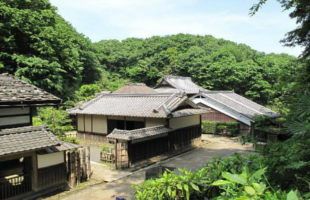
(64, 146)
(13, 89)
(134, 105)
(239, 104)
(189, 112)
(26, 138)
(135, 88)
(183, 84)
(138, 133)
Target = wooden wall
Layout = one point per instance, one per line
(177, 140)
(52, 176)
(216, 116)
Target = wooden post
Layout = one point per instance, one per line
(116, 159)
(78, 168)
(88, 162)
(83, 163)
(68, 167)
(34, 159)
(73, 169)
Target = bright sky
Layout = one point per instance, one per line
(228, 19)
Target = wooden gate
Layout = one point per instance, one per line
(122, 158)
(78, 166)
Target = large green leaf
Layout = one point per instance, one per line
(234, 178)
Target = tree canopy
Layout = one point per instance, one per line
(39, 46)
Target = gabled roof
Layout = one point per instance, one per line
(28, 138)
(171, 84)
(138, 133)
(14, 90)
(134, 88)
(237, 103)
(135, 105)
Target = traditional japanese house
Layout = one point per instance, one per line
(18, 99)
(168, 121)
(225, 106)
(32, 159)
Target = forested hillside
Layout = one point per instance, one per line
(39, 46)
(215, 64)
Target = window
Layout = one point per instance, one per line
(120, 124)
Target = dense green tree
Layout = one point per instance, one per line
(215, 64)
(40, 47)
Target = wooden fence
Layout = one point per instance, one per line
(14, 186)
(78, 166)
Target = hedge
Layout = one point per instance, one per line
(232, 128)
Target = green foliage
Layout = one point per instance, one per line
(58, 120)
(212, 63)
(299, 119)
(286, 161)
(250, 186)
(105, 148)
(40, 47)
(87, 92)
(194, 185)
(218, 127)
(72, 140)
(69, 104)
(36, 121)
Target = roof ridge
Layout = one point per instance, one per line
(164, 104)
(23, 129)
(177, 77)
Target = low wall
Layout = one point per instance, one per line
(91, 138)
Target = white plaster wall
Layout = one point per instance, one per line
(183, 122)
(88, 123)
(80, 120)
(100, 124)
(14, 111)
(14, 120)
(50, 159)
(154, 122)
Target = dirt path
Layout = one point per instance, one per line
(193, 160)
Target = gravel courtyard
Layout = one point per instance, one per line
(195, 159)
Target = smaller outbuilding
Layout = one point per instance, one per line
(32, 162)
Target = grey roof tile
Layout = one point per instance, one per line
(189, 112)
(138, 133)
(13, 89)
(133, 105)
(183, 84)
(26, 138)
(239, 104)
(135, 88)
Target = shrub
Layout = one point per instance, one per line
(58, 120)
(69, 139)
(196, 185)
(218, 127)
(288, 164)
(105, 148)
(36, 121)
